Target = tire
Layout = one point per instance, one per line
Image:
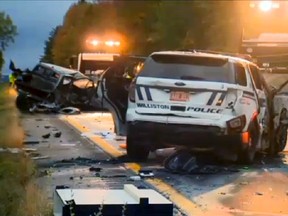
(280, 138)
(135, 151)
(247, 152)
(23, 103)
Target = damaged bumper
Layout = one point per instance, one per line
(197, 138)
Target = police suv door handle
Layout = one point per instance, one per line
(179, 84)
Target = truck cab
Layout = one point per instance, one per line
(93, 64)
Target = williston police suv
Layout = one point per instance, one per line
(203, 101)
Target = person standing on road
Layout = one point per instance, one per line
(12, 79)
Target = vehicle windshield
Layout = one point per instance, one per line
(189, 68)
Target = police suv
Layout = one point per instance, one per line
(203, 101)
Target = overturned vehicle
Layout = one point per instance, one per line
(51, 87)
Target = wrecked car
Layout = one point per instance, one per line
(276, 80)
(52, 87)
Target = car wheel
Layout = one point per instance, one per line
(281, 138)
(247, 151)
(23, 103)
(135, 151)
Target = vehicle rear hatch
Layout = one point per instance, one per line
(186, 85)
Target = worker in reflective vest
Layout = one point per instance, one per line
(12, 79)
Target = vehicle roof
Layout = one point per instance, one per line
(203, 54)
(59, 69)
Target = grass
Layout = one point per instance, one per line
(19, 194)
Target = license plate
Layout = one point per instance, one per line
(179, 96)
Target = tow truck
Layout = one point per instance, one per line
(102, 54)
(93, 64)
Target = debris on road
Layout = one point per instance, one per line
(95, 169)
(58, 134)
(183, 161)
(31, 142)
(259, 194)
(146, 173)
(70, 111)
(68, 144)
(40, 157)
(135, 178)
(46, 136)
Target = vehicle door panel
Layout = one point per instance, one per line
(115, 83)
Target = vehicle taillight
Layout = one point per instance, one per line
(236, 124)
(132, 89)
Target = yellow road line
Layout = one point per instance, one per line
(76, 124)
(112, 151)
(181, 201)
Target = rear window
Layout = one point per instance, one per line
(189, 68)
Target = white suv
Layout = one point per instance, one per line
(203, 101)
(199, 100)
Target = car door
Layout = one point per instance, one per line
(262, 97)
(113, 89)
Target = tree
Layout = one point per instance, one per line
(7, 33)
(48, 53)
(150, 26)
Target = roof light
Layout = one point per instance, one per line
(265, 6)
(117, 43)
(112, 43)
(109, 43)
(94, 42)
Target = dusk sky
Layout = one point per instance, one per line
(34, 19)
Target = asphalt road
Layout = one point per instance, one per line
(216, 188)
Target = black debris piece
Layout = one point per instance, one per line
(259, 194)
(184, 162)
(46, 136)
(61, 187)
(58, 134)
(30, 142)
(95, 169)
(71, 178)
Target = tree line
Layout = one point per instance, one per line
(148, 26)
